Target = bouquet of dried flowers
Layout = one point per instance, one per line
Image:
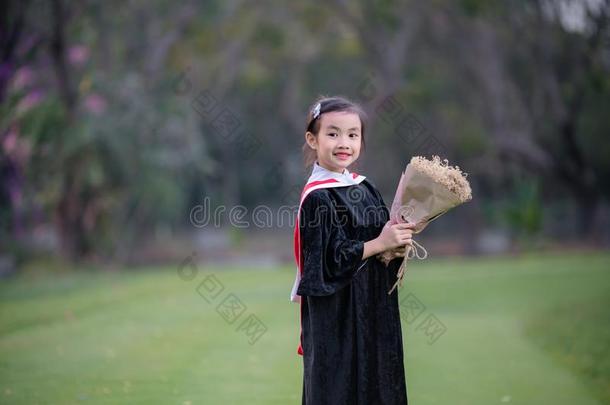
(427, 189)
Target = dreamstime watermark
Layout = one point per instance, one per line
(229, 306)
(314, 214)
(404, 123)
(272, 181)
(411, 308)
(223, 121)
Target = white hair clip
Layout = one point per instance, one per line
(316, 111)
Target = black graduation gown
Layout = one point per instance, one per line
(351, 332)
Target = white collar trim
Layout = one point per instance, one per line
(321, 173)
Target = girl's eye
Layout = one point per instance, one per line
(354, 135)
(332, 133)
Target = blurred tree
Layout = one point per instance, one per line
(536, 94)
(104, 155)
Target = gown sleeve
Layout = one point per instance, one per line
(330, 258)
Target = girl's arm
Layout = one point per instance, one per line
(372, 247)
(391, 236)
(330, 257)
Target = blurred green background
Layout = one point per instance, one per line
(132, 134)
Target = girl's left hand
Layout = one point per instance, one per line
(397, 252)
(390, 254)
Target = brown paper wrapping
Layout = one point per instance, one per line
(419, 200)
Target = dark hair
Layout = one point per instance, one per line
(330, 104)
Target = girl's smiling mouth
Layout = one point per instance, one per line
(343, 155)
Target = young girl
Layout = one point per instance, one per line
(351, 337)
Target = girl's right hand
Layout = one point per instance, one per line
(396, 235)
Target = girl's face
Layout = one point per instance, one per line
(338, 141)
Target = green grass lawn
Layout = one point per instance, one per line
(526, 330)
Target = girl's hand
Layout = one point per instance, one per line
(396, 235)
(388, 255)
(396, 252)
